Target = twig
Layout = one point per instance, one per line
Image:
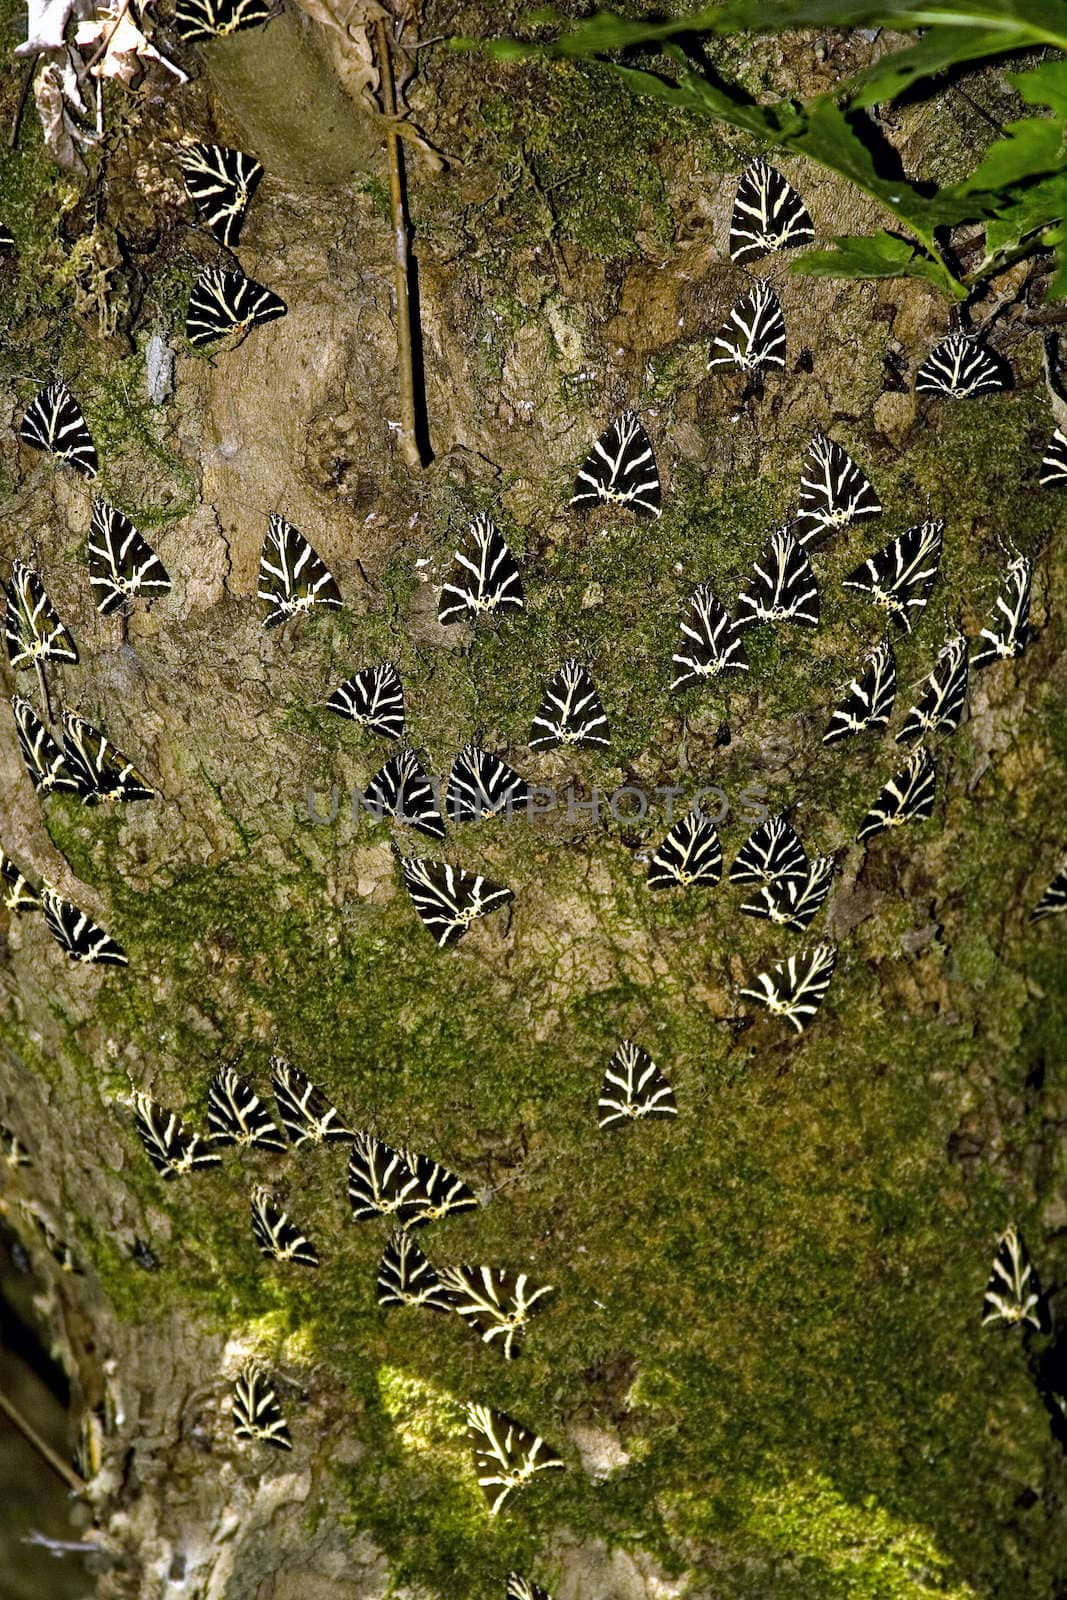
(72, 1479)
(105, 39)
(13, 136)
(410, 447)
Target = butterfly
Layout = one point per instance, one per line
(441, 1191)
(834, 493)
(1054, 899)
(782, 587)
(898, 578)
(768, 214)
(7, 238)
(1013, 1293)
(633, 1087)
(220, 182)
(292, 577)
(236, 1114)
(78, 934)
(103, 773)
(122, 565)
(214, 19)
(496, 1302)
(771, 852)
(940, 706)
(1054, 465)
(402, 790)
(227, 305)
(481, 785)
(173, 1148)
(506, 1454)
(256, 1412)
(1008, 630)
(276, 1233)
(32, 626)
(796, 988)
(18, 893)
(869, 701)
(794, 903)
(709, 644)
(13, 1153)
(689, 854)
(571, 712)
(374, 699)
(621, 470)
(406, 1278)
(907, 797)
(381, 1183)
(484, 579)
(55, 422)
(46, 764)
(753, 336)
(959, 367)
(448, 899)
(520, 1588)
(306, 1114)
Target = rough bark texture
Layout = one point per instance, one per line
(763, 1364)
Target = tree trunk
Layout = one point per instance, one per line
(763, 1365)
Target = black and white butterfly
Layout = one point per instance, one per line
(960, 367)
(768, 214)
(689, 854)
(7, 238)
(782, 586)
(103, 773)
(256, 1412)
(305, 1112)
(32, 625)
(227, 305)
(771, 853)
(276, 1233)
(55, 422)
(173, 1147)
(123, 567)
(215, 19)
(78, 934)
(869, 701)
(571, 712)
(708, 644)
(1054, 465)
(484, 578)
(236, 1114)
(834, 493)
(907, 797)
(401, 789)
(520, 1588)
(45, 762)
(633, 1087)
(1007, 633)
(481, 785)
(898, 578)
(496, 1302)
(794, 903)
(753, 336)
(939, 709)
(13, 1153)
(374, 699)
(292, 577)
(220, 182)
(1054, 899)
(796, 988)
(17, 894)
(621, 470)
(406, 1277)
(506, 1454)
(449, 899)
(441, 1192)
(1013, 1293)
(381, 1183)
